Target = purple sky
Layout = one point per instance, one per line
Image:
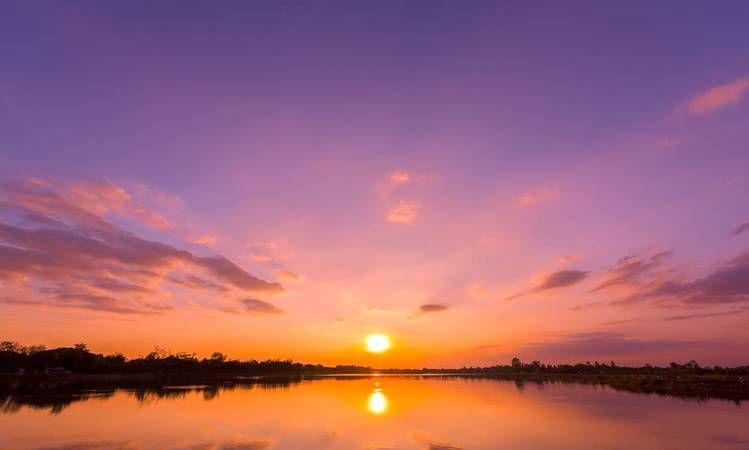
(564, 181)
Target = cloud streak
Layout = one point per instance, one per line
(554, 280)
(430, 308)
(630, 269)
(62, 247)
(642, 280)
(259, 307)
(744, 227)
(719, 97)
(402, 213)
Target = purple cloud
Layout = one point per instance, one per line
(59, 245)
(554, 280)
(254, 306)
(729, 283)
(629, 269)
(741, 228)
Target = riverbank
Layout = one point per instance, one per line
(695, 386)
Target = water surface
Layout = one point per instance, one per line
(373, 413)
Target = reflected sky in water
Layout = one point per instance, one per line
(368, 414)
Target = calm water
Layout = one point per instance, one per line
(376, 413)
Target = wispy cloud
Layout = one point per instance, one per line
(69, 254)
(208, 240)
(719, 96)
(642, 280)
(629, 269)
(267, 253)
(554, 280)
(564, 260)
(254, 306)
(403, 213)
(430, 308)
(288, 275)
(741, 228)
(400, 177)
(705, 315)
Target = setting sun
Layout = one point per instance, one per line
(377, 343)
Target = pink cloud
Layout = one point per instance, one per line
(564, 260)
(208, 240)
(404, 212)
(400, 177)
(101, 197)
(68, 254)
(288, 275)
(719, 96)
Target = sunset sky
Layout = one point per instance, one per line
(475, 180)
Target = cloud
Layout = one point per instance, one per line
(741, 228)
(404, 212)
(198, 283)
(587, 305)
(261, 257)
(288, 275)
(629, 269)
(643, 281)
(534, 196)
(562, 278)
(564, 260)
(705, 315)
(226, 269)
(718, 97)
(69, 254)
(554, 280)
(727, 284)
(257, 307)
(208, 240)
(99, 198)
(430, 308)
(265, 253)
(400, 177)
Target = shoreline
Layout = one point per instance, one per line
(692, 386)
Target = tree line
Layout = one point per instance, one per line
(16, 358)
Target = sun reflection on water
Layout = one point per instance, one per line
(377, 403)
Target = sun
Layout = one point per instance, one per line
(377, 343)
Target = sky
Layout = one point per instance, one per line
(476, 180)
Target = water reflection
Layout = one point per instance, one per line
(377, 403)
(350, 413)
